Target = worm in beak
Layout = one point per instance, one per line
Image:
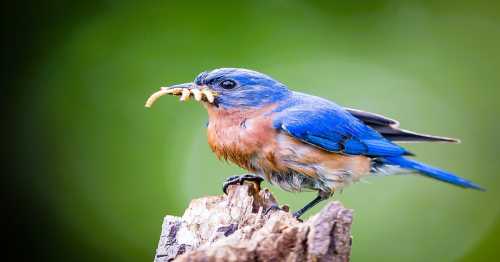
(185, 91)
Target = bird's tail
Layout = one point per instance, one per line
(432, 172)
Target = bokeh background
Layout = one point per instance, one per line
(94, 172)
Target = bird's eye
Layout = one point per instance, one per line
(228, 84)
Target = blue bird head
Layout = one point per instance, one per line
(237, 87)
(229, 88)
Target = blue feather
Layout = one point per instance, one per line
(432, 172)
(324, 124)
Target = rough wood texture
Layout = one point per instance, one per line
(235, 228)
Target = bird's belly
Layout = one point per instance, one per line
(297, 166)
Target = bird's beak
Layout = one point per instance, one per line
(200, 93)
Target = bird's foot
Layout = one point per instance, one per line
(275, 207)
(239, 180)
(297, 215)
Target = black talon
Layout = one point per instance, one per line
(232, 180)
(274, 207)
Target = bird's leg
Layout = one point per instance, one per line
(320, 197)
(233, 180)
(308, 206)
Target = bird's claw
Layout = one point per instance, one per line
(275, 207)
(233, 180)
(297, 215)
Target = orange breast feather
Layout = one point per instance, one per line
(240, 136)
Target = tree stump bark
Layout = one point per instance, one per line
(236, 228)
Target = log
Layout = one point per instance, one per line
(235, 227)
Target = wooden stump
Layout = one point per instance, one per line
(235, 228)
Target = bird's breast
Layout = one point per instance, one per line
(241, 136)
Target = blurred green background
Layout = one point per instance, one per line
(96, 171)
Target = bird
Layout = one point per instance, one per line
(298, 141)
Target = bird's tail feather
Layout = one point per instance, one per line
(432, 172)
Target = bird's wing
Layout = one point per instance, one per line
(389, 128)
(322, 123)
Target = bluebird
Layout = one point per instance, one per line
(299, 141)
